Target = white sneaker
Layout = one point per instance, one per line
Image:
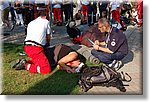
(119, 65)
(78, 69)
(116, 65)
(112, 64)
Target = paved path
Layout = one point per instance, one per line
(133, 61)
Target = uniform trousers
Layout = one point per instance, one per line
(39, 62)
(57, 14)
(140, 13)
(116, 14)
(85, 11)
(107, 58)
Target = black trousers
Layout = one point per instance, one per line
(91, 15)
(28, 16)
(67, 11)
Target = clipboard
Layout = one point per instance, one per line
(90, 41)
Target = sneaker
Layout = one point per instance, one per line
(22, 53)
(79, 68)
(111, 65)
(120, 65)
(115, 65)
(20, 64)
(14, 63)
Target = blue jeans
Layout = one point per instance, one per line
(107, 58)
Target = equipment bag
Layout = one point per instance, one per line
(102, 76)
(93, 34)
(72, 30)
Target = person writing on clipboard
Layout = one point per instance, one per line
(114, 48)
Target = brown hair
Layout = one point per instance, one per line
(104, 22)
(42, 13)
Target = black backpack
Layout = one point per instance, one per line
(73, 31)
(102, 76)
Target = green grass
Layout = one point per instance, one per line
(22, 82)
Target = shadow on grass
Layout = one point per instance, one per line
(59, 83)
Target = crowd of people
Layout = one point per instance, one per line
(88, 11)
(35, 14)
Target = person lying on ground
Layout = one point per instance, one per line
(64, 57)
(61, 56)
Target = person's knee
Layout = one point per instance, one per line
(44, 70)
(93, 51)
(43, 67)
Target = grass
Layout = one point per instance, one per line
(21, 82)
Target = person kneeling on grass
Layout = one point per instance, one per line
(62, 56)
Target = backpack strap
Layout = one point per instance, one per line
(106, 73)
(124, 79)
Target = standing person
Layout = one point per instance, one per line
(140, 12)
(19, 11)
(56, 4)
(114, 48)
(42, 5)
(66, 6)
(5, 12)
(72, 9)
(115, 10)
(92, 10)
(79, 6)
(12, 11)
(28, 13)
(103, 5)
(84, 9)
(38, 35)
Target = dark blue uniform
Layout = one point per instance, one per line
(92, 10)
(117, 43)
(103, 8)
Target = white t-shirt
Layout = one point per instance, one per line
(85, 2)
(56, 6)
(37, 30)
(56, 3)
(46, 2)
(114, 5)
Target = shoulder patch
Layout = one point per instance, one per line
(113, 43)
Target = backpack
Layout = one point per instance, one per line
(72, 30)
(102, 76)
(93, 34)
